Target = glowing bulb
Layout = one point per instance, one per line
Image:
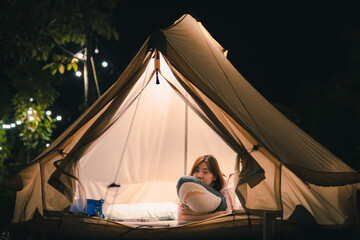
(48, 112)
(18, 122)
(78, 73)
(80, 55)
(104, 64)
(0, 148)
(31, 118)
(31, 99)
(12, 125)
(29, 111)
(47, 145)
(96, 50)
(58, 118)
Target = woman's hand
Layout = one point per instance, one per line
(185, 210)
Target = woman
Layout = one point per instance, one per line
(207, 170)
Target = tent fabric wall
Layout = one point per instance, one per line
(143, 136)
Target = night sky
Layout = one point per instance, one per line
(274, 46)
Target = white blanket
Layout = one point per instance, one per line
(142, 212)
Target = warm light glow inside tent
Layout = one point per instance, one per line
(154, 139)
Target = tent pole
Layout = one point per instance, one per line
(268, 225)
(95, 77)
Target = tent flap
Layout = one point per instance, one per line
(251, 172)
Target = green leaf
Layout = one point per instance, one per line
(75, 66)
(82, 43)
(67, 38)
(47, 66)
(45, 55)
(33, 53)
(61, 68)
(53, 71)
(74, 60)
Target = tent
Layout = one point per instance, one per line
(179, 98)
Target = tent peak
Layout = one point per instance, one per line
(157, 41)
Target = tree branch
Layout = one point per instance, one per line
(67, 51)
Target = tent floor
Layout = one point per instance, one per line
(82, 227)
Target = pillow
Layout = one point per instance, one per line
(161, 211)
(198, 196)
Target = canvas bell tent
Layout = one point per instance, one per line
(180, 98)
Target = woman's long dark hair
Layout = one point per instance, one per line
(214, 168)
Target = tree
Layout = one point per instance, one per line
(30, 102)
(39, 41)
(4, 150)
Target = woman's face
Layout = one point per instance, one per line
(203, 174)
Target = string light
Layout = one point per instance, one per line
(11, 125)
(104, 64)
(80, 55)
(78, 73)
(30, 118)
(29, 111)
